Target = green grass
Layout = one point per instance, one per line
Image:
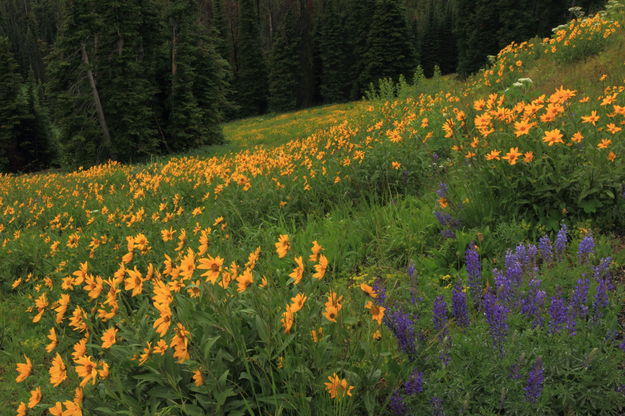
(363, 238)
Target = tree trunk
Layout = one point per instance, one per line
(106, 135)
(174, 67)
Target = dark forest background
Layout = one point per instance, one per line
(83, 81)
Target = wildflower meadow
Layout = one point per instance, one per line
(444, 247)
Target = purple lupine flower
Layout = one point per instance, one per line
(571, 324)
(532, 259)
(611, 336)
(397, 405)
(442, 190)
(503, 286)
(474, 271)
(622, 345)
(439, 315)
(380, 291)
(459, 306)
(561, 240)
(448, 234)
(545, 247)
(578, 301)
(533, 303)
(535, 380)
(601, 298)
(414, 385)
(413, 289)
(437, 406)
(558, 313)
(446, 220)
(435, 156)
(402, 327)
(497, 318)
(532, 254)
(514, 270)
(521, 254)
(602, 269)
(515, 371)
(585, 248)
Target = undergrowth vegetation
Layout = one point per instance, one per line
(444, 247)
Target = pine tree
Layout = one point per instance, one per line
(35, 150)
(24, 133)
(219, 26)
(477, 34)
(335, 52)
(126, 75)
(284, 65)
(430, 42)
(212, 85)
(251, 74)
(10, 115)
(183, 117)
(358, 24)
(390, 50)
(448, 52)
(73, 89)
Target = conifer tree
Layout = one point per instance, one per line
(10, 116)
(430, 42)
(284, 65)
(35, 150)
(334, 51)
(24, 133)
(126, 74)
(448, 52)
(477, 34)
(73, 89)
(390, 50)
(358, 25)
(183, 115)
(212, 85)
(219, 26)
(251, 74)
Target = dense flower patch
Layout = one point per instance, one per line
(158, 293)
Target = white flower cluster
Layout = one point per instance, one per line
(521, 83)
(615, 5)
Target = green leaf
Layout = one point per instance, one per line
(207, 345)
(193, 410)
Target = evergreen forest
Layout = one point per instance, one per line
(86, 81)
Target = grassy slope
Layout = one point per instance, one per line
(375, 232)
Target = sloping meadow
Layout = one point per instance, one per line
(198, 285)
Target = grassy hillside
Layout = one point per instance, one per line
(446, 246)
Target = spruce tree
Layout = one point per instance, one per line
(35, 150)
(251, 74)
(390, 50)
(284, 65)
(477, 34)
(430, 42)
(219, 26)
(448, 52)
(212, 85)
(73, 88)
(24, 131)
(126, 74)
(335, 52)
(358, 24)
(10, 115)
(183, 116)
